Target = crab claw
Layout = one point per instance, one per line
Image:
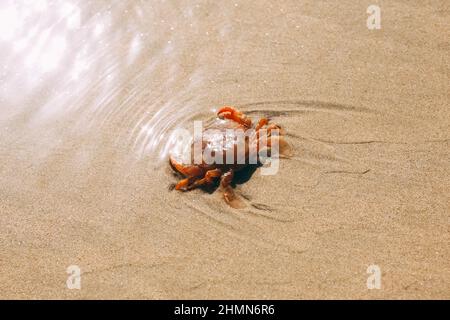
(231, 113)
(186, 170)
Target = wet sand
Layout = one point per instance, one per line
(90, 92)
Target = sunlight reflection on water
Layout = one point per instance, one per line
(117, 65)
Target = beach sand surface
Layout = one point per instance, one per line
(90, 92)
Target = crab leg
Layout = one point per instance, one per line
(284, 149)
(228, 193)
(275, 127)
(225, 182)
(231, 113)
(261, 123)
(210, 175)
(184, 184)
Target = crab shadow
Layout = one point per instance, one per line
(240, 177)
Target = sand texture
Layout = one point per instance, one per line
(89, 93)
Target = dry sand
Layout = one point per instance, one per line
(87, 102)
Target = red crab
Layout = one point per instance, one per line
(204, 174)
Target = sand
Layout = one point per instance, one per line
(88, 101)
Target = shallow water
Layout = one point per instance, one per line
(91, 91)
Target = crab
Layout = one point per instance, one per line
(205, 173)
